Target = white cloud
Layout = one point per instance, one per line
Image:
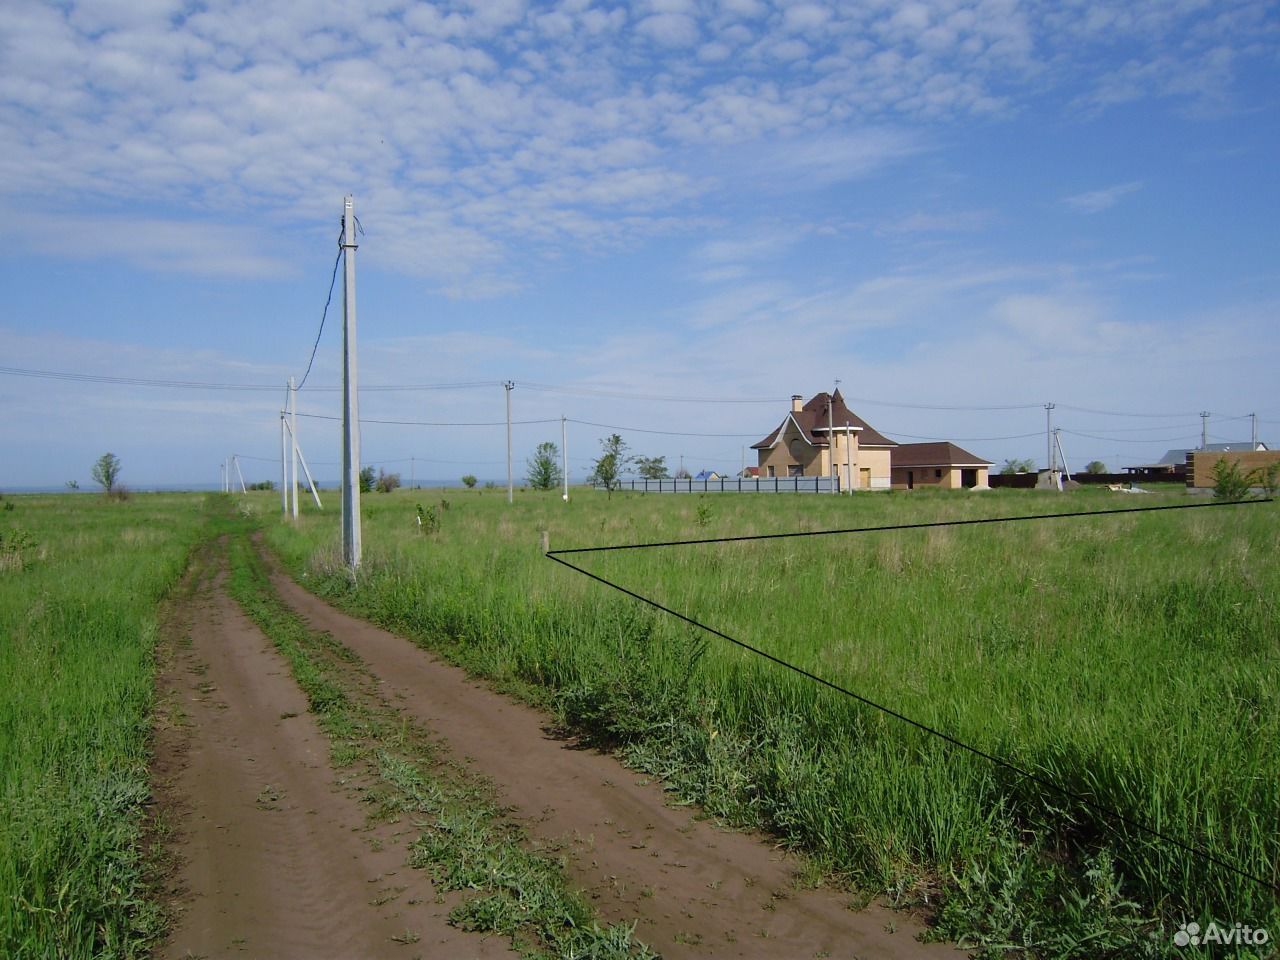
(669, 29)
(482, 129)
(192, 247)
(1095, 201)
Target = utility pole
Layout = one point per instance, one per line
(1254, 442)
(284, 471)
(222, 476)
(848, 455)
(509, 385)
(831, 435)
(293, 436)
(1204, 429)
(350, 398)
(235, 460)
(1049, 459)
(564, 454)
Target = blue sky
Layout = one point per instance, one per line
(945, 205)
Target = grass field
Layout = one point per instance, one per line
(80, 578)
(1134, 660)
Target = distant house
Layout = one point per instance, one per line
(707, 475)
(1173, 465)
(749, 473)
(939, 464)
(822, 437)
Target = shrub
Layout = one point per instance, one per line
(1228, 482)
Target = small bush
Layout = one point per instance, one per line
(387, 481)
(1228, 482)
(428, 519)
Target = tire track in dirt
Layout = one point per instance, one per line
(274, 855)
(694, 890)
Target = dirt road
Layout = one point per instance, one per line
(693, 890)
(274, 856)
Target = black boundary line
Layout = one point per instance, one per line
(992, 758)
(910, 526)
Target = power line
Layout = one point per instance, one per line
(207, 385)
(1015, 436)
(430, 423)
(134, 381)
(1091, 436)
(1124, 413)
(666, 433)
(327, 300)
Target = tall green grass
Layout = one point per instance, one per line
(1135, 660)
(78, 597)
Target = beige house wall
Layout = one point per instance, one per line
(1200, 464)
(793, 448)
(816, 461)
(952, 478)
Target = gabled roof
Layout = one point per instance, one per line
(812, 420)
(1178, 457)
(707, 475)
(938, 453)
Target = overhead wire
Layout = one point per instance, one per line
(325, 313)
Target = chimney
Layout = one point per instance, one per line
(797, 403)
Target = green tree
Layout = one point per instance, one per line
(1268, 478)
(613, 460)
(367, 479)
(469, 481)
(107, 471)
(1095, 466)
(387, 481)
(652, 468)
(544, 467)
(1018, 466)
(1228, 482)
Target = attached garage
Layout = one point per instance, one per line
(939, 465)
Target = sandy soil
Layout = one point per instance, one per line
(274, 859)
(693, 890)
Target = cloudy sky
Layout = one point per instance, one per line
(637, 212)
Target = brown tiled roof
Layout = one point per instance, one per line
(812, 419)
(939, 453)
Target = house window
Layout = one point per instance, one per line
(937, 474)
(795, 470)
(772, 473)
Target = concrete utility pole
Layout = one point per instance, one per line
(1204, 429)
(222, 476)
(293, 437)
(1049, 458)
(848, 455)
(350, 398)
(284, 471)
(509, 385)
(564, 454)
(1253, 444)
(831, 436)
(239, 473)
